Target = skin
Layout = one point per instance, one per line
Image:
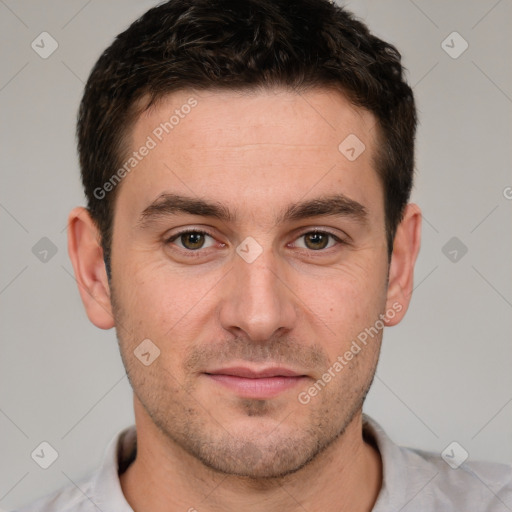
(299, 304)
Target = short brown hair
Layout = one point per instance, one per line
(243, 44)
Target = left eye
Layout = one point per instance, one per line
(318, 240)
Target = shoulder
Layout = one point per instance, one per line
(68, 499)
(421, 480)
(101, 491)
(450, 485)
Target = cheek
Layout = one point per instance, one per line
(163, 301)
(347, 303)
(350, 291)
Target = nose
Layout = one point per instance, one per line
(257, 299)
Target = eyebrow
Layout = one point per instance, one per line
(336, 205)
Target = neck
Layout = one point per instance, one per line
(346, 476)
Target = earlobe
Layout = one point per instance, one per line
(401, 272)
(86, 256)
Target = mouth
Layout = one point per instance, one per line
(256, 383)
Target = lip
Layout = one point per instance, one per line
(249, 373)
(256, 383)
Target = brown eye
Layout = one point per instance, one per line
(190, 240)
(318, 240)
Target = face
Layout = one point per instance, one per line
(251, 251)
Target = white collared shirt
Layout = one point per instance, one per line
(413, 480)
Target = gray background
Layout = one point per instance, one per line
(445, 372)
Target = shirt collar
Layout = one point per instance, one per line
(106, 486)
(392, 470)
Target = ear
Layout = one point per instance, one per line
(401, 272)
(86, 256)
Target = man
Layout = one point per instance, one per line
(248, 166)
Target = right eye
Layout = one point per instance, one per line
(190, 240)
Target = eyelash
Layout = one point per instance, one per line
(197, 252)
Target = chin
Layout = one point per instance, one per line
(256, 462)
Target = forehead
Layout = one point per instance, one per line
(241, 116)
(262, 145)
